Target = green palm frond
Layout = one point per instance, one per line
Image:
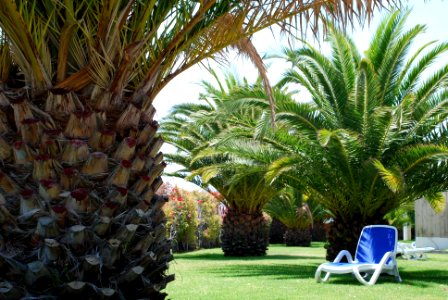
(324, 77)
(324, 137)
(207, 173)
(302, 116)
(411, 158)
(392, 177)
(411, 74)
(430, 86)
(209, 153)
(363, 100)
(180, 159)
(365, 148)
(284, 166)
(430, 118)
(387, 31)
(346, 58)
(437, 134)
(285, 208)
(389, 72)
(344, 151)
(437, 201)
(311, 83)
(380, 133)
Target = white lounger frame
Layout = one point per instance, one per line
(388, 264)
(356, 268)
(410, 251)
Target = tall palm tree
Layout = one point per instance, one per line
(80, 158)
(193, 129)
(375, 132)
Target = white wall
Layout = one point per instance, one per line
(431, 229)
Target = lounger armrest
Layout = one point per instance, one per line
(342, 254)
(386, 256)
(376, 268)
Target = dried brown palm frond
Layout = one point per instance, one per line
(235, 28)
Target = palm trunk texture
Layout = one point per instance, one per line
(244, 234)
(78, 214)
(345, 235)
(298, 237)
(276, 232)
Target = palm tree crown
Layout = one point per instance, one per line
(197, 132)
(375, 131)
(195, 129)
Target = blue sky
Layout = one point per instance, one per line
(185, 88)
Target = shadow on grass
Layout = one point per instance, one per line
(283, 271)
(349, 279)
(220, 256)
(425, 278)
(419, 278)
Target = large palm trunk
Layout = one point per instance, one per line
(244, 234)
(344, 235)
(78, 213)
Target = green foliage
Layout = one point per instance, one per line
(373, 137)
(203, 134)
(401, 216)
(291, 209)
(182, 221)
(376, 136)
(192, 218)
(210, 221)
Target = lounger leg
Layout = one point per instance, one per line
(397, 274)
(372, 280)
(319, 278)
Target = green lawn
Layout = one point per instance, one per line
(288, 273)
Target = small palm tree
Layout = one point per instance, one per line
(295, 214)
(374, 136)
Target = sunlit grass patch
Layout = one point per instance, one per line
(288, 273)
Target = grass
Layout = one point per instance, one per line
(288, 273)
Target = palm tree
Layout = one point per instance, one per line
(79, 151)
(193, 130)
(291, 209)
(374, 136)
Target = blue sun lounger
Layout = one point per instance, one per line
(375, 254)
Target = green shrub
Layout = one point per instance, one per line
(192, 218)
(209, 221)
